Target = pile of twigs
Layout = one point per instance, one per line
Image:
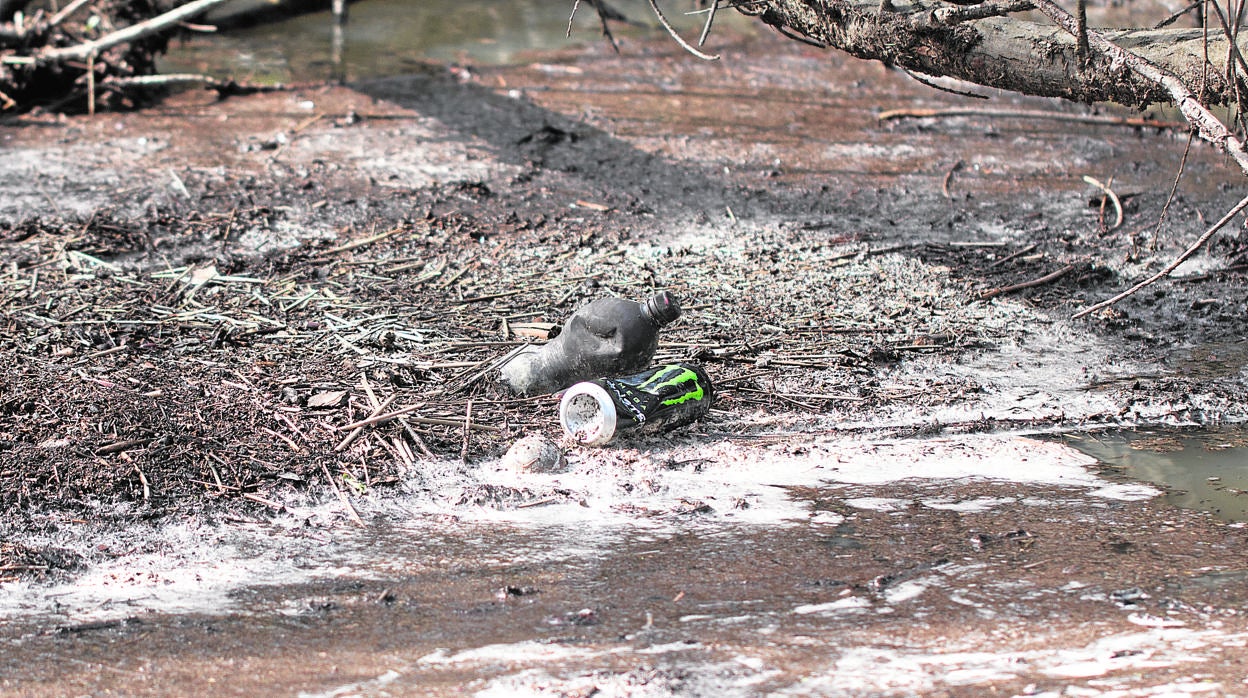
(89, 54)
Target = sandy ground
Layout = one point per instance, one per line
(865, 512)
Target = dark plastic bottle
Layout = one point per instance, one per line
(608, 337)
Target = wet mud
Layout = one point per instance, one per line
(201, 298)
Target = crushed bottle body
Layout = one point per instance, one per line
(608, 337)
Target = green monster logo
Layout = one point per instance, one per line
(683, 378)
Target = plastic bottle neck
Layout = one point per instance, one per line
(661, 308)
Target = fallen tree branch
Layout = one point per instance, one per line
(1005, 52)
(1208, 125)
(80, 52)
(1202, 120)
(1135, 121)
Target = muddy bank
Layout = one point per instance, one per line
(201, 298)
(187, 291)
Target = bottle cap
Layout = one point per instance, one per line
(662, 308)
(588, 414)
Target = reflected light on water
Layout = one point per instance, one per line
(390, 37)
(1207, 470)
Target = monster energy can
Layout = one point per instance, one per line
(659, 399)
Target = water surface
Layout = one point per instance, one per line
(390, 37)
(1205, 470)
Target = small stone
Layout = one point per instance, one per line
(534, 453)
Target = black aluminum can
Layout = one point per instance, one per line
(659, 399)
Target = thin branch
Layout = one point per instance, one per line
(67, 11)
(1243, 203)
(1175, 17)
(1174, 190)
(576, 4)
(1104, 187)
(924, 81)
(1134, 121)
(710, 19)
(1029, 284)
(654, 5)
(603, 17)
(800, 38)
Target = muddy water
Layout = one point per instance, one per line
(1204, 470)
(962, 566)
(389, 37)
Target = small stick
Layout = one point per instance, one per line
(216, 476)
(147, 491)
(378, 418)
(106, 352)
(463, 451)
(261, 500)
(1112, 197)
(455, 277)
(944, 185)
(361, 242)
(415, 437)
(69, 10)
(91, 84)
(292, 426)
(342, 497)
(119, 446)
(710, 19)
(576, 4)
(368, 389)
(1020, 253)
(359, 428)
(1028, 284)
(289, 442)
(1243, 203)
(404, 451)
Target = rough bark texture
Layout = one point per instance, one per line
(1003, 52)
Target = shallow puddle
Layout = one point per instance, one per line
(390, 37)
(1205, 470)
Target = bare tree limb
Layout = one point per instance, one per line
(131, 33)
(1010, 53)
(1208, 125)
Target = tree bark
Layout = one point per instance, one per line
(936, 39)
